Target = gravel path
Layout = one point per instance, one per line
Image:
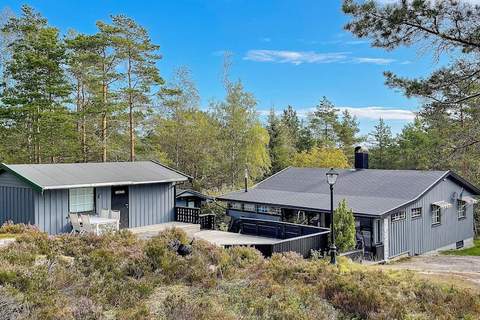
(463, 268)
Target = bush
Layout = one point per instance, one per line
(118, 276)
(11, 228)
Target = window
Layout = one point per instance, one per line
(436, 215)
(81, 200)
(249, 207)
(397, 216)
(461, 209)
(235, 205)
(416, 213)
(269, 210)
(379, 230)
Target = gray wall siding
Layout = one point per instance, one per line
(418, 236)
(51, 211)
(103, 198)
(16, 204)
(151, 204)
(9, 180)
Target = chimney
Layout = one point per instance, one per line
(361, 158)
(246, 180)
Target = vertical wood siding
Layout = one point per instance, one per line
(151, 204)
(51, 211)
(103, 198)
(16, 204)
(9, 180)
(417, 236)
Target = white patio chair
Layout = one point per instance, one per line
(87, 227)
(76, 227)
(105, 213)
(115, 214)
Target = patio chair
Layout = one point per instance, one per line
(87, 227)
(105, 213)
(76, 227)
(115, 214)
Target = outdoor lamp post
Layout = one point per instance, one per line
(331, 179)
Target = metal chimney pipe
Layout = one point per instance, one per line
(246, 180)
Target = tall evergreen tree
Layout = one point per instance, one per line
(292, 123)
(141, 75)
(34, 103)
(382, 142)
(347, 131)
(323, 122)
(281, 144)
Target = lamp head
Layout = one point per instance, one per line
(332, 176)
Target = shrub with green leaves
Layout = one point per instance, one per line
(344, 227)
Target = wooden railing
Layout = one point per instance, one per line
(193, 215)
(292, 237)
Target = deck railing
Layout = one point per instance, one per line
(292, 237)
(193, 215)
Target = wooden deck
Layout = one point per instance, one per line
(222, 238)
(147, 232)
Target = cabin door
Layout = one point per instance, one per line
(120, 203)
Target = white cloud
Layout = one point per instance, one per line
(300, 57)
(376, 113)
(379, 61)
(294, 57)
(370, 113)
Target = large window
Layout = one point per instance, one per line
(400, 215)
(82, 200)
(416, 213)
(461, 209)
(436, 215)
(269, 210)
(249, 207)
(235, 205)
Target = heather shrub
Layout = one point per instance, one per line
(118, 276)
(12, 228)
(11, 306)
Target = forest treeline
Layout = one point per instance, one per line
(78, 97)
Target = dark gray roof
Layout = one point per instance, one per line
(74, 175)
(367, 191)
(189, 193)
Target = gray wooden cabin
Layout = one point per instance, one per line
(397, 212)
(44, 194)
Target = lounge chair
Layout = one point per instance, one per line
(115, 214)
(86, 225)
(76, 227)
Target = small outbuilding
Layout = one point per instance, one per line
(191, 198)
(44, 194)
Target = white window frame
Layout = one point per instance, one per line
(250, 207)
(269, 210)
(461, 209)
(436, 215)
(399, 216)
(81, 200)
(236, 206)
(417, 212)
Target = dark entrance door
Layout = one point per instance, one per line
(120, 203)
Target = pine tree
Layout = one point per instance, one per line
(347, 132)
(382, 141)
(281, 146)
(141, 76)
(34, 102)
(323, 122)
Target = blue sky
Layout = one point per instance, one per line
(285, 52)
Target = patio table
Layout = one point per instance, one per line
(98, 222)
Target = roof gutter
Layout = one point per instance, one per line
(109, 184)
